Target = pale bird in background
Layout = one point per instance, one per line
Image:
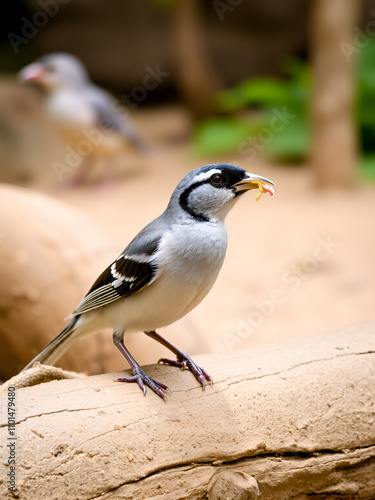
(82, 112)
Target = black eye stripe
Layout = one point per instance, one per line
(184, 201)
(227, 180)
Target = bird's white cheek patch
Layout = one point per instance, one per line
(206, 175)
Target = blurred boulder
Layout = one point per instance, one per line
(50, 254)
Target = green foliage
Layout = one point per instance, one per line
(366, 97)
(266, 94)
(221, 135)
(261, 91)
(291, 144)
(367, 167)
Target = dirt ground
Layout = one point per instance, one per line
(298, 263)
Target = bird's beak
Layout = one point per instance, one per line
(252, 181)
(32, 73)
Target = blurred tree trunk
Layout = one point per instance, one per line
(195, 75)
(334, 143)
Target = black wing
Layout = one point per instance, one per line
(123, 278)
(134, 269)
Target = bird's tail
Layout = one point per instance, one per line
(57, 347)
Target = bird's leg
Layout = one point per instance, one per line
(183, 360)
(139, 375)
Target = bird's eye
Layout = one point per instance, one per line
(217, 180)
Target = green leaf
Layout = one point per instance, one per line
(292, 143)
(365, 100)
(367, 168)
(222, 135)
(271, 95)
(298, 71)
(260, 91)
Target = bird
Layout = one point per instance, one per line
(164, 272)
(82, 111)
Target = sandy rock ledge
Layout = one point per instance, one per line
(288, 420)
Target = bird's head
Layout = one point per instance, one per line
(209, 192)
(57, 70)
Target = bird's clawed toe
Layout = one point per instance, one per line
(184, 362)
(144, 381)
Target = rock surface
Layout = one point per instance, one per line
(293, 419)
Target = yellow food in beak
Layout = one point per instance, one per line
(264, 188)
(252, 181)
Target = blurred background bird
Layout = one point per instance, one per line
(92, 125)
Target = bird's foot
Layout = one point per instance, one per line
(144, 381)
(184, 362)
